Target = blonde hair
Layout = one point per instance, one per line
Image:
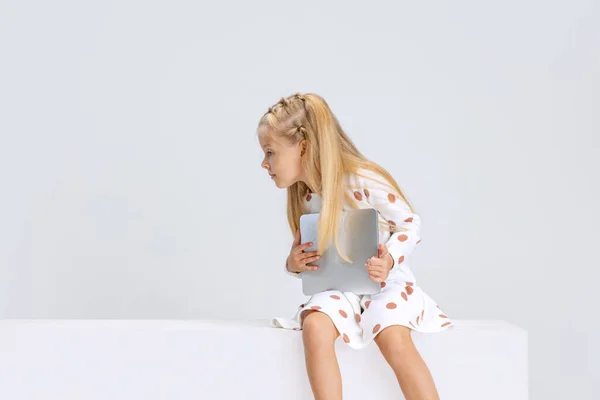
(330, 155)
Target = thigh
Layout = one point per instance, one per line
(394, 299)
(393, 306)
(331, 302)
(336, 306)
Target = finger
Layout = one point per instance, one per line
(300, 267)
(310, 259)
(300, 248)
(374, 267)
(375, 270)
(375, 261)
(375, 278)
(308, 268)
(309, 254)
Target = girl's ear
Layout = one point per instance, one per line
(303, 147)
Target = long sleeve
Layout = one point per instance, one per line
(392, 208)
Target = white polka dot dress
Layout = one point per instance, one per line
(359, 318)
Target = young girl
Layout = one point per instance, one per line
(308, 153)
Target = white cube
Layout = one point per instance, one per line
(185, 360)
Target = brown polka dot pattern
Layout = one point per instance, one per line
(361, 194)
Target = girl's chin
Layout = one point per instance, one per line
(280, 184)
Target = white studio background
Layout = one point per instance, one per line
(130, 173)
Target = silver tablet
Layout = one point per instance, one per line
(358, 238)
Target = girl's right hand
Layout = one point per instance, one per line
(297, 260)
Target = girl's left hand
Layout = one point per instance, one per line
(379, 267)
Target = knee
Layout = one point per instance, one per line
(394, 340)
(317, 326)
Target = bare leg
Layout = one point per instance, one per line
(319, 334)
(412, 373)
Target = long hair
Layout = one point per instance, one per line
(330, 155)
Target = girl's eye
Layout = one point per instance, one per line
(269, 152)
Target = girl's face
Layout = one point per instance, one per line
(283, 161)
